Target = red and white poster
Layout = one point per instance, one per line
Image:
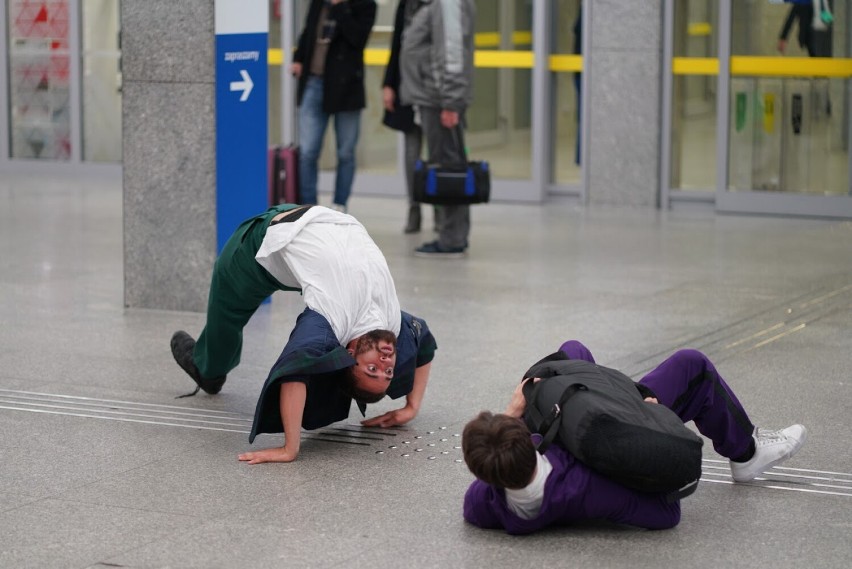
(39, 79)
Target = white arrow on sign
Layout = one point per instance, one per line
(245, 85)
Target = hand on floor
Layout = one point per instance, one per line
(278, 454)
(391, 418)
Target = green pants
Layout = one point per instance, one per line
(238, 287)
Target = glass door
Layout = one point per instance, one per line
(785, 71)
(565, 66)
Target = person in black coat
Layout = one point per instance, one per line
(816, 40)
(329, 65)
(401, 117)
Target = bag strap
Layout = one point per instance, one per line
(531, 412)
(457, 132)
(550, 427)
(681, 493)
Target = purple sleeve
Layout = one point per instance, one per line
(605, 499)
(477, 506)
(576, 350)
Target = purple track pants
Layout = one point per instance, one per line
(688, 384)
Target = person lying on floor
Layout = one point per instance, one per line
(521, 490)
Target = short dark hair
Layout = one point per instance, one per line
(370, 340)
(498, 450)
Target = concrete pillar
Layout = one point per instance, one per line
(169, 147)
(624, 102)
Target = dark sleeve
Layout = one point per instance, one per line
(392, 70)
(308, 33)
(478, 501)
(355, 20)
(788, 23)
(293, 378)
(578, 32)
(426, 350)
(416, 348)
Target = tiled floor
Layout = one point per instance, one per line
(100, 465)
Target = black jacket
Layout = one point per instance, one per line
(392, 77)
(343, 80)
(402, 117)
(818, 43)
(803, 13)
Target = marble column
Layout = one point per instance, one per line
(169, 147)
(625, 88)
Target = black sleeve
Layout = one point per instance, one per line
(308, 34)
(293, 378)
(355, 20)
(392, 70)
(788, 23)
(426, 351)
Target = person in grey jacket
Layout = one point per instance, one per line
(436, 65)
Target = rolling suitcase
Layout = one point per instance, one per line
(283, 174)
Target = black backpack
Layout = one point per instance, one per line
(600, 417)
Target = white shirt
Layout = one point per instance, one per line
(341, 271)
(526, 502)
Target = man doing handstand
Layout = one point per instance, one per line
(352, 341)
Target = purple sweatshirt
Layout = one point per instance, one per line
(572, 493)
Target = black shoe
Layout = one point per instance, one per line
(182, 346)
(414, 219)
(434, 249)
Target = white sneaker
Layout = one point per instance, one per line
(338, 207)
(771, 448)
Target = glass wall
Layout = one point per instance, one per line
(566, 34)
(789, 124)
(60, 111)
(101, 69)
(499, 119)
(694, 84)
(39, 82)
(379, 155)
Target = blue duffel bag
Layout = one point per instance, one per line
(468, 183)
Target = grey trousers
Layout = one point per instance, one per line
(413, 148)
(446, 146)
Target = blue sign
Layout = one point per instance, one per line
(242, 41)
